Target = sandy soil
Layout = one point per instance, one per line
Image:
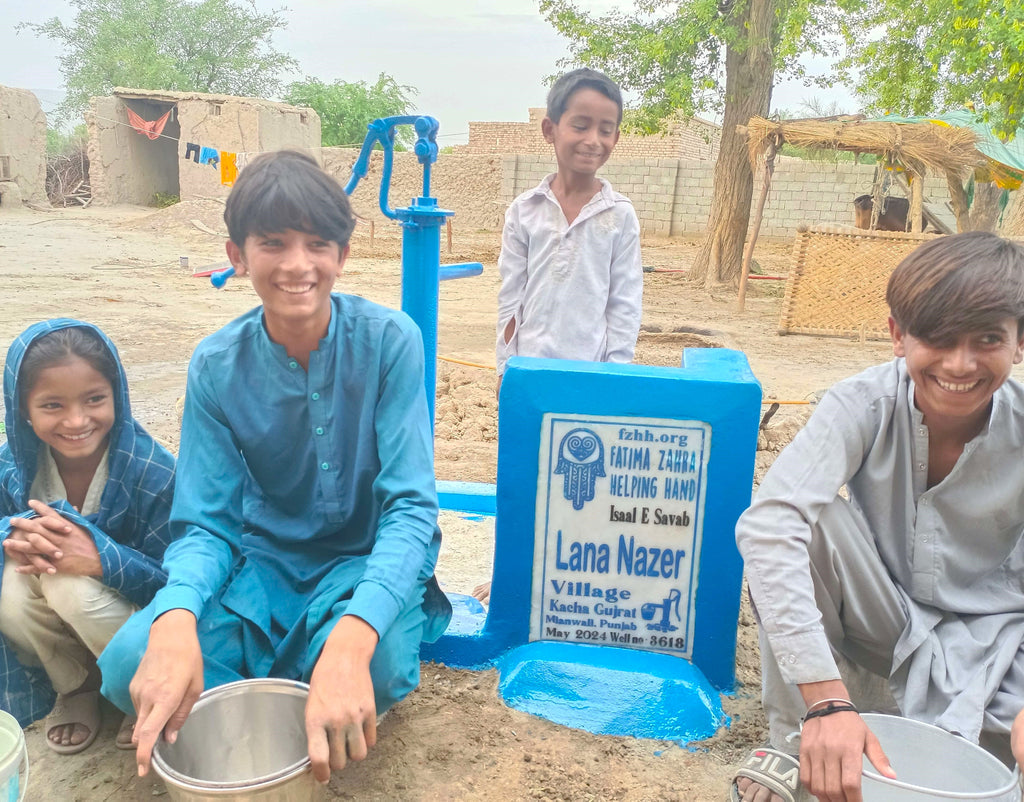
(453, 738)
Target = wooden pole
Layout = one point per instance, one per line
(448, 225)
(876, 196)
(917, 204)
(748, 253)
(932, 220)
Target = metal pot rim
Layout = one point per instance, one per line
(282, 686)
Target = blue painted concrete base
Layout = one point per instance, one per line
(611, 691)
(465, 643)
(478, 497)
(468, 616)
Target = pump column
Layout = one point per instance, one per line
(421, 258)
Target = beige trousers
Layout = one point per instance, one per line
(60, 622)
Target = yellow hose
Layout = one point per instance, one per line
(467, 364)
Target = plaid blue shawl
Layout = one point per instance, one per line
(130, 529)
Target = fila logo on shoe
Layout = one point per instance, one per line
(768, 763)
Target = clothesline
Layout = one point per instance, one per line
(252, 152)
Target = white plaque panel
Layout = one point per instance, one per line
(620, 510)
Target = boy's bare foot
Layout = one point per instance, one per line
(482, 592)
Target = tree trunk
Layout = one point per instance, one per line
(748, 83)
(985, 209)
(1014, 224)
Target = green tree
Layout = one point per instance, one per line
(673, 53)
(218, 46)
(939, 55)
(61, 143)
(943, 55)
(346, 108)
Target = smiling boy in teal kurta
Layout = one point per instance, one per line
(306, 511)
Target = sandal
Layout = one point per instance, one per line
(125, 733)
(771, 769)
(82, 709)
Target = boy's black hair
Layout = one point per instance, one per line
(287, 190)
(58, 347)
(575, 80)
(957, 284)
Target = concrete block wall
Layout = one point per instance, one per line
(693, 188)
(672, 197)
(818, 192)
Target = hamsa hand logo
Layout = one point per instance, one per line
(580, 461)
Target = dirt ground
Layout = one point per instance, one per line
(453, 738)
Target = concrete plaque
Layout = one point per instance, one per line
(620, 512)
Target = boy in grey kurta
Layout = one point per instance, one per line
(917, 577)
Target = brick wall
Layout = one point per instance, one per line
(693, 139)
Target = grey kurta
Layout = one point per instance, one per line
(953, 551)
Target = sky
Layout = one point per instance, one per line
(469, 59)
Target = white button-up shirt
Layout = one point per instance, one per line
(574, 289)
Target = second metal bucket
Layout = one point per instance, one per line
(933, 765)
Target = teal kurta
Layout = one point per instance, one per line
(302, 488)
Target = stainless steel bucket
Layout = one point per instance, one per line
(242, 742)
(933, 765)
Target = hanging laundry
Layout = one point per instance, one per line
(209, 156)
(228, 170)
(192, 152)
(146, 128)
(241, 160)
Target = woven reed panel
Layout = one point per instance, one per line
(836, 284)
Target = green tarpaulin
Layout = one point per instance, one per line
(1009, 154)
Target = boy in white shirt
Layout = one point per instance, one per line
(571, 277)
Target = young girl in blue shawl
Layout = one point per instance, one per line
(85, 494)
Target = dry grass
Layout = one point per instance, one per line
(920, 147)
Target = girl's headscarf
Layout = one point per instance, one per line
(130, 528)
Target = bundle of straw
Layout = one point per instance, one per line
(919, 147)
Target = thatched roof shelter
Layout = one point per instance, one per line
(919, 147)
